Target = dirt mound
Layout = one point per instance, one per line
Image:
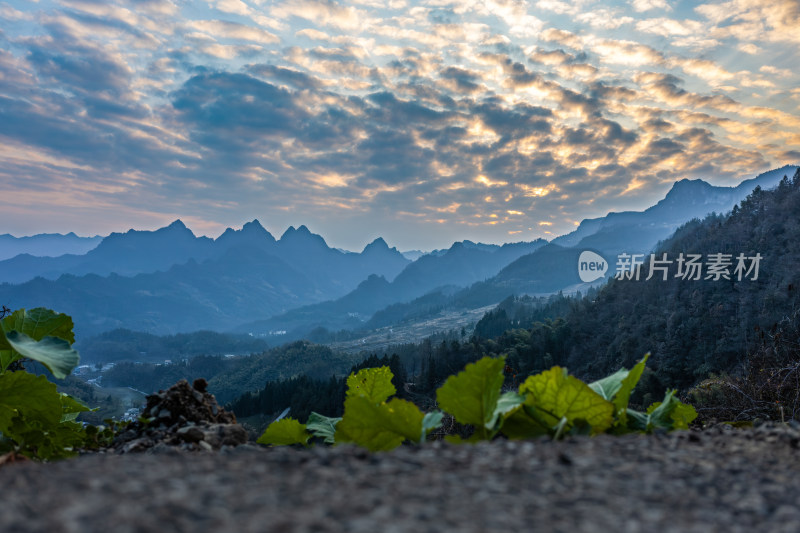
(184, 417)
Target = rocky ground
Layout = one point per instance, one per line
(719, 479)
(190, 468)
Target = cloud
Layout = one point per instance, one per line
(78, 67)
(467, 116)
(607, 19)
(628, 53)
(220, 29)
(753, 20)
(562, 37)
(236, 7)
(296, 78)
(322, 12)
(646, 5)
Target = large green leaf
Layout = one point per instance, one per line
(471, 396)
(379, 427)
(39, 323)
(375, 384)
(560, 399)
(323, 427)
(284, 432)
(33, 397)
(54, 353)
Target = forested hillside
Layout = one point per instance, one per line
(693, 327)
(127, 345)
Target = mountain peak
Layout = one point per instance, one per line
(687, 185)
(255, 228)
(251, 234)
(177, 225)
(174, 229)
(302, 235)
(288, 233)
(253, 224)
(377, 245)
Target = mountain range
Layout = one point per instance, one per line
(140, 252)
(46, 245)
(541, 269)
(169, 280)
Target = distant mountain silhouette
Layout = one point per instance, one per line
(461, 265)
(126, 254)
(46, 245)
(640, 231)
(169, 280)
(136, 252)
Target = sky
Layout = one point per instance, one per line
(424, 122)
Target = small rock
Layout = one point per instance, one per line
(137, 445)
(200, 384)
(190, 434)
(218, 435)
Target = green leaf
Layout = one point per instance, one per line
(430, 422)
(71, 408)
(637, 420)
(623, 396)
(39, 323)
(519, 424)
(507, 402)
(471, 396)
(618, 388)
(54, 353)
(555, 395)
(32, 396)
(31, 413)
(322, 426)
(7, 355)
(379, 427)
(668, 415)
(609, 385)
(375, 384)
(284, 432)
(659, 413)
(671, 413)
(683, 415)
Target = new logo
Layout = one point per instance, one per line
(591, 266)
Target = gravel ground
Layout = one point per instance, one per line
(719, 479)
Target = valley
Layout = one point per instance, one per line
(445, 324)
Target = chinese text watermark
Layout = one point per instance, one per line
(691, 267)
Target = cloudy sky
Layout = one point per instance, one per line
(424, 122)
